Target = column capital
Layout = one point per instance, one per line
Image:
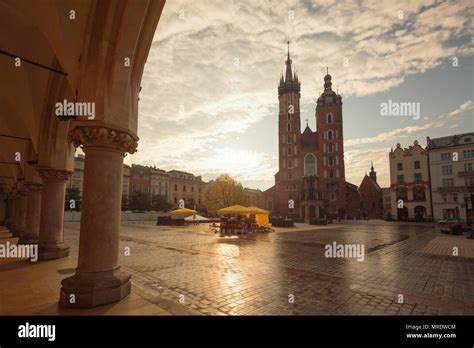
(32, 186)
(52, 174)
(105, 136)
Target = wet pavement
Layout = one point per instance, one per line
(287, 273)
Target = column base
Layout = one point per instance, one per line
(86, 290)
(52, 251)
(29, 240)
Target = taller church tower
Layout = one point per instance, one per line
(331, 146)
(288, 178)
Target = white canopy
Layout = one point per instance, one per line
(196, 218)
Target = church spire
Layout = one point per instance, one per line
(373, 173)
(289, 75)
(327, 81)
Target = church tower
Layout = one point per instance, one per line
(331, 146)
(373, 173)
(288, 178)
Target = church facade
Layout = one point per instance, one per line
(310, 182)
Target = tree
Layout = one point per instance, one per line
(124, 202)
(139, 201)
(160, 203)
(223, 192)
(72, 199)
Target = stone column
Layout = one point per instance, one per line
(20, 214)
(9, 217)
(33, 213)
(98, 278)
(51, 242)
(13, 212)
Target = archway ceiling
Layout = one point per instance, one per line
(42, 32)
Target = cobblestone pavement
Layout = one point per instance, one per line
(261, 274)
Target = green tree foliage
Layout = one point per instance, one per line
(139, 201)
(72, 194)
(124, 202)
(223, 192)
(160, 203)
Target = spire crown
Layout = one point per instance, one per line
(289, 76)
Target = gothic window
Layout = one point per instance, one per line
(330, 147)
(288, 139)
(328, 118)
(331, 174)
(289, 117)
(330, 135)
(290, 151)
(310, 165)
(290, 163)
(330, 160)
(288, 127)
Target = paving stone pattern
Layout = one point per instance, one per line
(257, 274)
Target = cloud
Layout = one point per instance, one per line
(468, 105)
(389, 136)
(358, 163)
(214, 66)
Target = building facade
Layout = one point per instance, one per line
(387, 202)
(371, 196)
(310, 181)
(140, 179)
(254, 197)
(126, 180)
(187, 187)
(77, 178)
(451, 161)
(409, 183)
(159, 182)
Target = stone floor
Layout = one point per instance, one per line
(178, 270)
(260, 274)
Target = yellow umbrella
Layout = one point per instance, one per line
(261, 216)
(259, 210)
(183, 211)
(236, 209)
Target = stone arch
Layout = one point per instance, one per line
(83, 61)
(329, 118)
(330, 134)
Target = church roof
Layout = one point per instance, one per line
(373, 182)
(309, 140)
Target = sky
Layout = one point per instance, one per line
(209, 101)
